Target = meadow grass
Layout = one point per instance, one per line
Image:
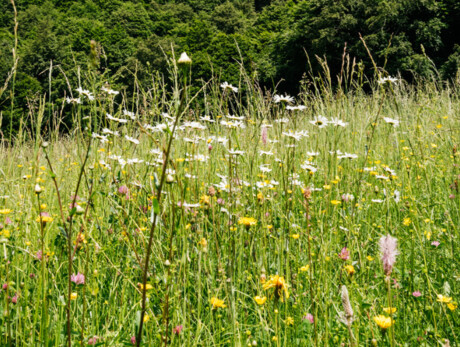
(259, 221)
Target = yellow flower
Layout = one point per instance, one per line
(260, 300)
(6, 211)
(73, 296)
(203, 243)
(349, 269)
(44, 219)
(247, 221)
(295, 236)
(443, 299)
(304, 268)
(370, 258)
(389, 310)
(452, 306)
(205, 199)
(146, 318)
(335, 202)
(148, 286)
(383, 322)
(280, 286)
(289, 321)
(407, 221)
(216, 303)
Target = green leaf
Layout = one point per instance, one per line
(156, 206)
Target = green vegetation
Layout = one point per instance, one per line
(270, 38)
(177, 223)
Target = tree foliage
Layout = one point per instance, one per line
(274, 40)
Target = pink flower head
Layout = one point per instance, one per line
(8, 221)
(417, 294)
(5, 286)
(220, 201)
(209, 147)
(133, 340)
(178, 329)
(344, 254)
(123, 190)
(435, 243)
(264, 135)
(93, 340)
(388, 249)
(38, 255)
(309, 317)
(78, 278)
(14, 299)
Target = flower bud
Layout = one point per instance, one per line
(79, 209)
(38, 189)
(184, 59)
(169, 179)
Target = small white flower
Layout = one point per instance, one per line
(388, 80)
(119, 120)
(296, 108)
(110, 132)
(73, 100)
(86, 93)
(234, 117)
(226, 86)
(320, 121)
(110, 91)
(393, 122)
(207, 119)
(129, 114)
(337, 122)
(283, 98)
(132, 139)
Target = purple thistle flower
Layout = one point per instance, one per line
(388, 249)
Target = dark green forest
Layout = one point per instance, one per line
(274, 41)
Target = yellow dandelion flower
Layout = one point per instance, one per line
(407, 221)
(216, 303)
(295, 236)
(73, 296)
(304, 268)
(247, 221)
(6, 211)
(383, 322)
(280, 285)
(335, 202)
(370, 258)
(349, 269)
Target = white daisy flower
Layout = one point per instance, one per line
(226, 86)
